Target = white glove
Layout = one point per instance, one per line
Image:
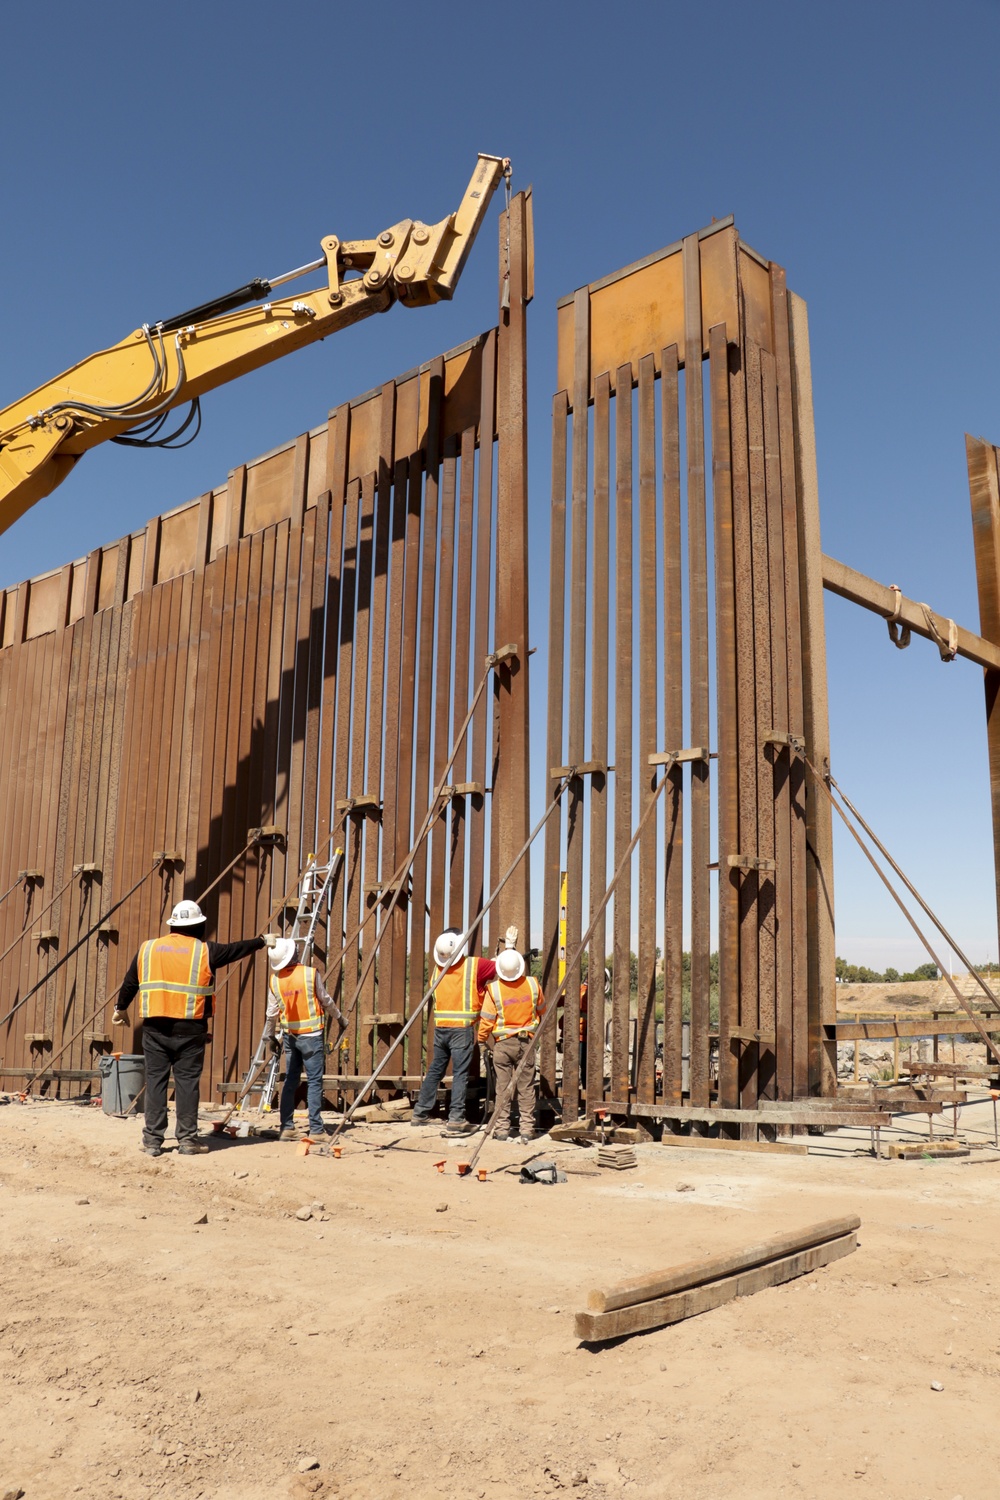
(510, 938)
(118, 1018)
(270, 938)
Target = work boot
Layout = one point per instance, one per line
(288, 1133)
(421, 1120)
(460, 1127)
(193, 1148)
(153, 1150)
(317, 1135)
(526, 1140)
(501, 1135)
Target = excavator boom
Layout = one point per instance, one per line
(125, 393)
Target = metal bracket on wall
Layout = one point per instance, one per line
(747, 1034)
(502, 654)
(678, 757)
(269, 833)
(363, 806)
(781, 738)
(750, 862)
(585, 768)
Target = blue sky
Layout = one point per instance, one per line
(155, 157)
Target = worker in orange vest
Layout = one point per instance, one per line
(458, 1000)
(174, 977)
(512, 1009)
(298, 998)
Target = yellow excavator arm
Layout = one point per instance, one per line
(125, 393)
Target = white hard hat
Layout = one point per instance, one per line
(186, 914)
(510, 965)
(282, 954)
(448, 950)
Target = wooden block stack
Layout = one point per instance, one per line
(617, 1157)
(653, 1301)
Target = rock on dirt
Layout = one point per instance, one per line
(303, 1213)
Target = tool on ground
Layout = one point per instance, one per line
(551, 1006)
(124, 394)
(463, 938)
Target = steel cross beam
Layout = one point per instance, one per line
(882, 600)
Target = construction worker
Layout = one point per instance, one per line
(297, 997)
(512, 1009)
(458, 1000)
(175, 978)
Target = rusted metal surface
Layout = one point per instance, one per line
(253, 659)
(984, 495)
(554, 741)
(705, 296)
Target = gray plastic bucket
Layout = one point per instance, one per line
(122, 1078)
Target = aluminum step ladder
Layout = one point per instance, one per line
(261, 1077)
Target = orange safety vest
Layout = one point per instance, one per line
(517, 1007)
(175, 977)
(294, 989)
(457, 1001)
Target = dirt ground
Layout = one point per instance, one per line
(418, 1340)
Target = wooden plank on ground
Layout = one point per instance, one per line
(599, 1327)
(721, 1143)
(694, 1273)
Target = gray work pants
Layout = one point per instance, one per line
(507, 1055)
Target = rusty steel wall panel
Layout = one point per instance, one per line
(280, 647)
(712, 297)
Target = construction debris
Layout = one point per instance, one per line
(920, 1150)
(620, 1158)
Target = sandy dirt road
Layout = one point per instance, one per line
(416, 1350)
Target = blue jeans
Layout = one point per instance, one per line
(454, 1044)
(311, 1051)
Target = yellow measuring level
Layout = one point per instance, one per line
(563, 891)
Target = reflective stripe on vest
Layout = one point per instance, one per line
(294, 989)
(457, 1001)
(518, 1006)
(175, 977)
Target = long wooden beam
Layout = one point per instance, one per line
(882, 600)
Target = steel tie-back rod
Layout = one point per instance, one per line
(552, 1006)
(428, 995)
